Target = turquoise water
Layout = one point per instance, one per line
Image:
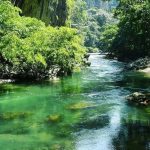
(86, 111)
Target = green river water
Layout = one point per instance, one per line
(86, 111)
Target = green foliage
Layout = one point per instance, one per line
(98, 18)
(30, 49)
(90, 17)
(90, 22)
(79, 14)
(107, 37)
(133, 38)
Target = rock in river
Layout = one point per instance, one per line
(81, 105)
(54, 118)
(139, 64)
(94, 122)
(139, 98)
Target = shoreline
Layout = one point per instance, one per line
(6, 81)
(146, 70)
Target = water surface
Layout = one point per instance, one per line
(86, 111)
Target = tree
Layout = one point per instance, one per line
(133, 38)
(29, 49)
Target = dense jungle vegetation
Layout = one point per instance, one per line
(29, 49)
(120, 27)
(90, 17)
(130, 38)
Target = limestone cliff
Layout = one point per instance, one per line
(54, 12)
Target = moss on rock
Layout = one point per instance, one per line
(81, 105)
(14, 115)
(54, 118)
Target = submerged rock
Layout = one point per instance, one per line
(64, 130)
(14, 115)
(139, 98)
(56, 147)
(54, 118)
(95, 122)
(81, 105)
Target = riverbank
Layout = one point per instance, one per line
(139, 98)
(141, 64)
(146, 70)
(2, 81)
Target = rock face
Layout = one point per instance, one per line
(11, 74)
(54, 12)
(139, 98)
(141, 63)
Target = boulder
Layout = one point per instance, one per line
(14, 115)
(86, 62)
(81, 105)
(54, 118)
(94, 122)
(86, 56)
(139, 98)
(139, 64)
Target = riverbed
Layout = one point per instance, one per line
(85, 111)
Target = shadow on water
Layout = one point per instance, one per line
(135, 81)
(93, 123)
(133, 135)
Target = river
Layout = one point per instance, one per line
(86, 111)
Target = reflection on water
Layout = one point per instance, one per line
(133, 135)
(135, 81)
(83, 112)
